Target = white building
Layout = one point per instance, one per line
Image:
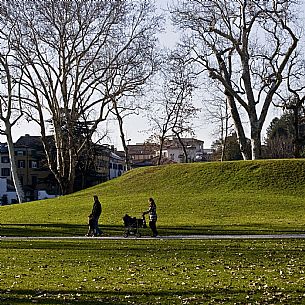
(117, 165)
(173, 150)
(6, 196)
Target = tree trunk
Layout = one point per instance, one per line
(11, 152)
(73, 162)
(160, 150)
(256, 130)
(123, 139)
(256, 144)
(242, 140)
(224, 133)
(183, 146)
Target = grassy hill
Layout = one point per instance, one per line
(200, 198)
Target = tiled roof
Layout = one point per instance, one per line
(140, 149)
(28, 141)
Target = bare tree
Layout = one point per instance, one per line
(10, 108)
(79, 56)
(173, 114)
(121, 110)
(245, 46)
(217, 113)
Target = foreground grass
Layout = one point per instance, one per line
(266, 196)
(152, 272)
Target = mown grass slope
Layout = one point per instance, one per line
(199, 198)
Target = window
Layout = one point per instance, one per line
(172, 156)
(115, 166)
(21, 164)
(5, 172)
(34, 180)
(102, 163)
(33, 164)
(20, 153)
(5, 159)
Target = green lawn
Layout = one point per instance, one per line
(204, 198)
(133, 271)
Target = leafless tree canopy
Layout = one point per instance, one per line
(172, 112)
(77, 57)
(245, 46)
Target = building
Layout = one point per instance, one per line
(142, 154)
(96, 165)
(117, 165)
(174, 150)
(5, 167)
(92, 167)
(32, 167)
(147, 154)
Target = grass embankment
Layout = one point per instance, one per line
(152, 272)
(245, 197)
(203, 198)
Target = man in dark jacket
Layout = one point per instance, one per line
(96, 213)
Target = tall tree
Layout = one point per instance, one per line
(245, 46)
(10, 107)
(78, 57)
(173, 113)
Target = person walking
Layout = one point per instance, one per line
(96, 213)
(152, 211)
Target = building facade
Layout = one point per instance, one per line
(174, 150)
(96, 166)
(142, 154)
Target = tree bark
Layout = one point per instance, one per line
(242, 139)
(183, 147)
(11, 151)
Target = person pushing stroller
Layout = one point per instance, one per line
(152, 211)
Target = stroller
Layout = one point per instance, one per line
(132, 225)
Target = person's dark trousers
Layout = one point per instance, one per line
(96, 230)
(152, 225)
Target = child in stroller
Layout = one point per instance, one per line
(132, 225)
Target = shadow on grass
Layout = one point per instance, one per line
(54, 229)
(232, 229)
(194, 296)
(65, 230)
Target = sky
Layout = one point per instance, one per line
(136, 127)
